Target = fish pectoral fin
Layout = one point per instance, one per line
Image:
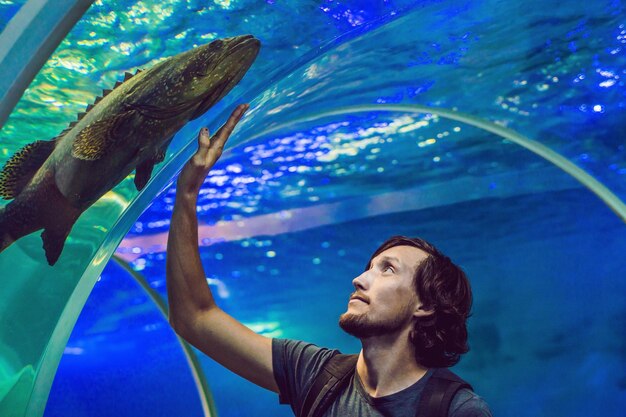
(143, 173)
(54, 235)
(144, 169)
(160, 156)
(53, 242)
(98, 138)
(22, 166)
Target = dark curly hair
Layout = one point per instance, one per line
(441, 338)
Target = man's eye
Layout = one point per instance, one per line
(388, 267)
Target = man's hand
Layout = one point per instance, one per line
(209, 151)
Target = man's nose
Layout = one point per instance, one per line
(360, 282)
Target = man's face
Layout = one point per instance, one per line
(384, 300)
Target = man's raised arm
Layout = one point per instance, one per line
(192, 310)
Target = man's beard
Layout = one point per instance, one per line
(362, 327)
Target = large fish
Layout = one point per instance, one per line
(129, 128)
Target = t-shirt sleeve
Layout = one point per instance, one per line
(295, 366)
(466, 403)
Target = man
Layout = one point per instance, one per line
(409, 310)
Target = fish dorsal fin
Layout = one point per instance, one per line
(97, 139)
(127, 76)
(22, 166)
(98, 99)
(75, 122)
(138, 71)
(67, 129)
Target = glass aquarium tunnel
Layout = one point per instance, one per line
(492, 129)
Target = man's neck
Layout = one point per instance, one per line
(387, 365)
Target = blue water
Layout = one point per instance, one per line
(548, 322)
(122, 358)
(300, 199)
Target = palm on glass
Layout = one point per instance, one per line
(209, 151)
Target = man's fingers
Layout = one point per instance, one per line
(203, 137)
(219, 139)
(203, 143)
(216, 143)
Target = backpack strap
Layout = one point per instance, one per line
(338, 370)
(438, 393)
(327, 385)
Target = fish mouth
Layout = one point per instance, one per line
(246, 40)
(240, 57)
(242, 53)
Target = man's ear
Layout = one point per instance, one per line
(422, 311)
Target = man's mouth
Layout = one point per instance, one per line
(359, 297)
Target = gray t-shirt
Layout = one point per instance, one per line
(297, 363)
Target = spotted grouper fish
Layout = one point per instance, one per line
(129, 128)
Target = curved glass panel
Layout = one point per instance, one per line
(8, 9)
(324, 192)
(122, 358)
